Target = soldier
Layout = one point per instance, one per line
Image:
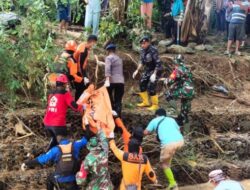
(180, 84)
(152, 71)
(95, 174)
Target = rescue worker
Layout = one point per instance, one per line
(81, 56)
(134, 164)
(66, 64)
(66, 158)
(58, 103)
(180, 84)
(169, 135)
(95, 164)
(222, 182)
(114, 78)
(153, 67)
(126, 135)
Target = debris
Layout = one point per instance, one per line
(200, 47)
(220, 88)
(19, 129)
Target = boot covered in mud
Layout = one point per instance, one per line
(155, 103)
(145, 101)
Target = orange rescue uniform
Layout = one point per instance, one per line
(133, 167)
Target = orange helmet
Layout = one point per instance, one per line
(71, 45)
(62, 78)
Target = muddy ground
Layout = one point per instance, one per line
(218, 137)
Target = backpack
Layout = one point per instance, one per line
(67, 165)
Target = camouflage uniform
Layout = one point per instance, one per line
(181, 86)
(96, 164)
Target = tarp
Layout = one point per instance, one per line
(98, 109)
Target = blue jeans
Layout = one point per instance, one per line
(92, 19)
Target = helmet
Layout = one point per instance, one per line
(71, 45)
(110, 46)
(62, 78)
(217, 176)
(179, 59)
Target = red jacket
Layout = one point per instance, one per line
(58, 103)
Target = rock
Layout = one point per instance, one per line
(162, 49)
(158, 36)
(192, 45)
(200, 47)
(176, 49)
(135, 47)
(209, 47)
(190, 50)
(164, 42)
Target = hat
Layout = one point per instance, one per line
(161, 112)
(216, 176)
(144, 39)
(110, 46)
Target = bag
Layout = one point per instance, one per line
(157, 129)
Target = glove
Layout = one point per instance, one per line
(168, 96)
(114, 113)
(24, 167)
(107, 83)
(153, 78)
(134, 74)
(111, 135)
(86, 81)
(166, 81)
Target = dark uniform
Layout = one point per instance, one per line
(150, 59)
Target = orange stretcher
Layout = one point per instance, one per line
(98, 109)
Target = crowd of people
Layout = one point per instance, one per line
(93, 172)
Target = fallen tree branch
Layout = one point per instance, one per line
(30, 134)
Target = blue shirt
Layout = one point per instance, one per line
(54, 155)
(229, 185)
(169, 130)
(147, 1)
(177, 8)
(238, 15)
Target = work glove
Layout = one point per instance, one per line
(134, 74)
(168, 96)
(86, 81)
(107, 83)
(153, 78)
(111, 135)
(114, 113)
(24, 167)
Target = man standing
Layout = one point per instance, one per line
(153, 67)
(92, 15)
(81, 56)
(63, 9)
(220, 13)
(169, 135)
(180, 84)
(221, 182)
(236, 26)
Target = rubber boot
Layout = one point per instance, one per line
(154, 101)
(170, 177)
(144, 97)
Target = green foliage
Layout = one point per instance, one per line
(26, 51)
(110, 28)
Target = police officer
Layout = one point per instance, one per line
(180, 84)
(66, 158)
(152, 70)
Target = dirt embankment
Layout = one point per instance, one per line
(219, 135)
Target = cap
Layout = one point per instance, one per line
(110, 46)
(144, 39)
(216, 175)
(161, 112)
